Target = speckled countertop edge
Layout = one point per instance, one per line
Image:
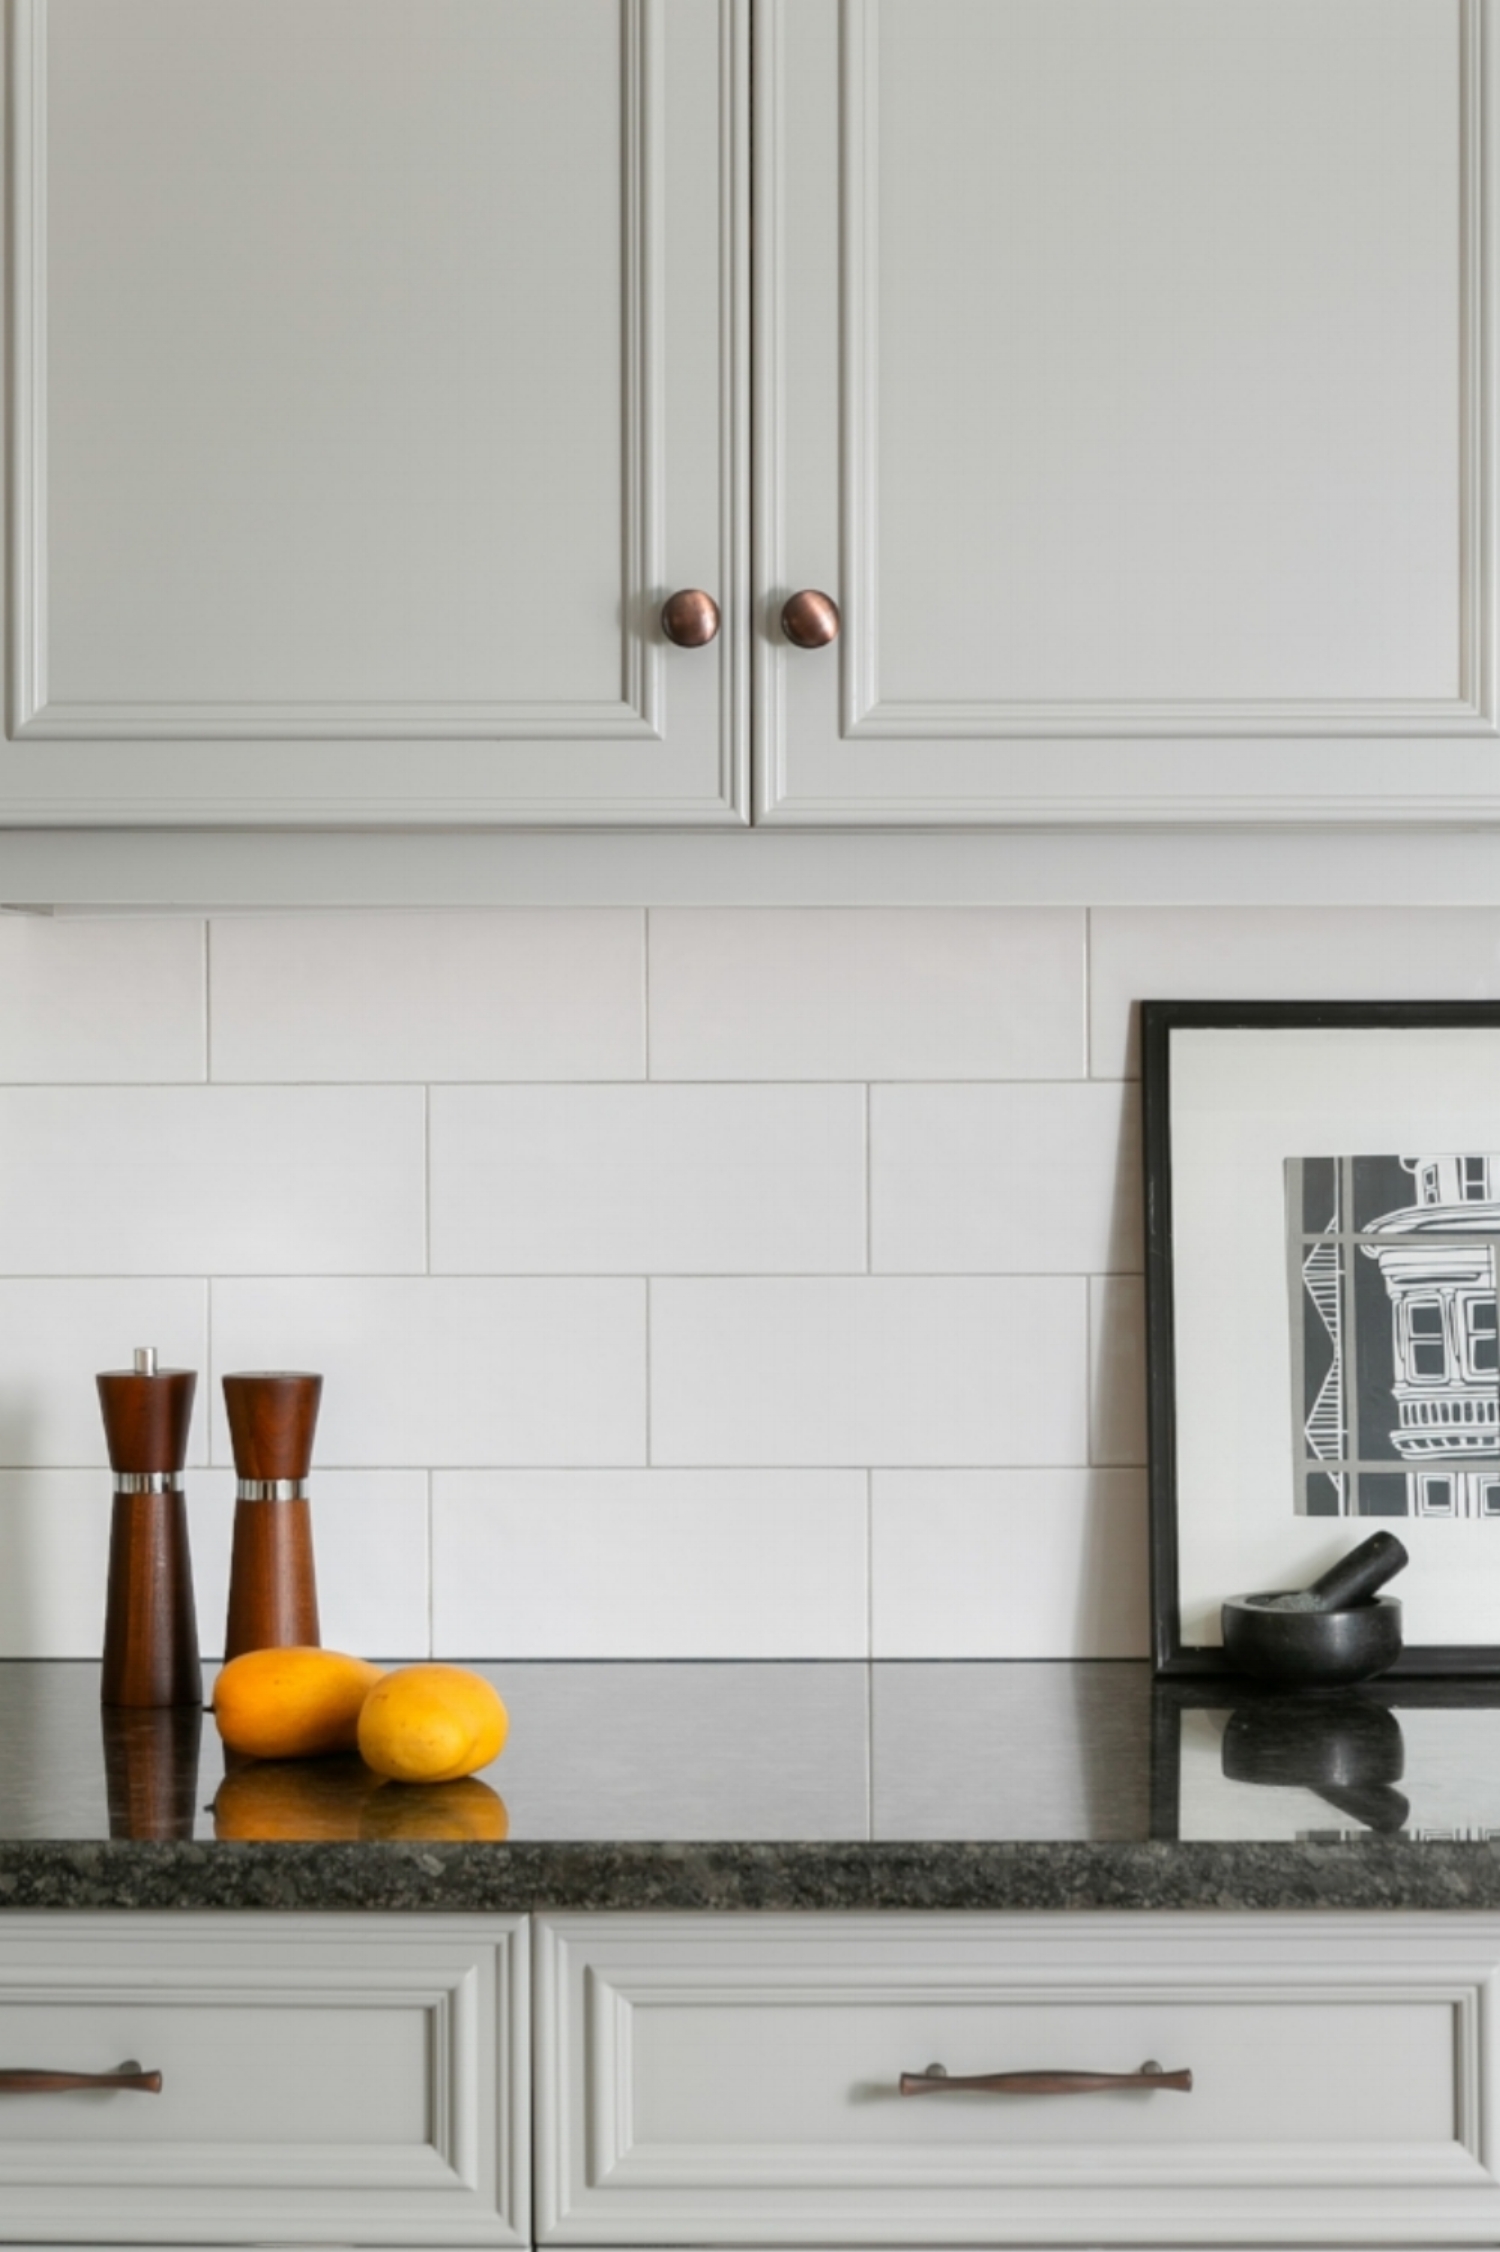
(1374, 1874)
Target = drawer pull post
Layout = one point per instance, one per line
(937, 2080)
(129, 2075)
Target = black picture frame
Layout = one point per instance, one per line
(1160, 1022)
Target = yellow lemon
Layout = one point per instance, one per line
(431, 1724)
(292, 1704)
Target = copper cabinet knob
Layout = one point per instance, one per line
(690, 617)
(810, 620)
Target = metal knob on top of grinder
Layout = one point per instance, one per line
(150, 1624)
(273, 1592)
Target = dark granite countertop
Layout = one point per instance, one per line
(779, 1786)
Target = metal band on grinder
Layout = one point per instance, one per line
(148, 1481)
(271, 1489)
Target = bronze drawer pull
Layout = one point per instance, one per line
(937, 2078)
(62, 2083)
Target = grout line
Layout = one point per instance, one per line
(571, 1274)
(208, 1356)
(1088, 993)
(646, 993)
(1088, 1365)
(869, 1186)
(510, 1468)
(582, 1085)
(427, 1180)
(208, 1015)
(869, 1654)
(869, 1564)
(430, 1643)
(647, 1280)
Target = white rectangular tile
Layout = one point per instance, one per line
(1009, 1564)
(110, 999)
(460, 1372)
(502, 993)
(56, 1336)
(54, 1557)
(1039, 1179)
(1279, 954)
(961, 1371)
(867, 993)
(642, 1180)
(649, 1564)
(1117, 1369)
(369, 1552)
(196, 1180)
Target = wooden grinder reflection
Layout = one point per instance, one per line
(273, 1594)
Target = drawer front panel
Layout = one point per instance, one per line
(346, 2079)
(736, 2080)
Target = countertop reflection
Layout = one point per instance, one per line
(741, 1754)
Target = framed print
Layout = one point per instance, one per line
(1322, 1277)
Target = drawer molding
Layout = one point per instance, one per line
(438, 2011)
(636, 2013)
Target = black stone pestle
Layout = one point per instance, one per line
(1349, 1582)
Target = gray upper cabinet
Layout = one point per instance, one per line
(1122, 370)
(378, 371)
(1126, 372)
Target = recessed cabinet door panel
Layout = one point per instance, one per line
(737, 2080)
(375, 381)
(1125, 377)
(323, 2079)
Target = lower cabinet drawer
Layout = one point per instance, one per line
(736, 2080)
(347, 2079)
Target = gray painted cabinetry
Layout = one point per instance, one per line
(1121, 368)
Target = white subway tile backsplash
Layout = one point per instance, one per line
(1024, 1179)
(111, 1001)
(960, 1370)
(1009, 1564)
(449, 1371)
(867, 993)
(56, 1336)
(651, 1179)
(1279, 954)
(546, 993)
(370, 1544)
(650, 1401)
(194, 1180)
(649, 1563)
(1117, 1360)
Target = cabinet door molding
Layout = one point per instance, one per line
(376, 376)
(736, 2081)
(1127, 374)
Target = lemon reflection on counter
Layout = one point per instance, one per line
(342, 1800)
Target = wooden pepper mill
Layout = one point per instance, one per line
(273, 1591)
(150, 1625)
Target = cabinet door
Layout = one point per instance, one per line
(321, 2079)
(738, 2080)
(375, 379)
(1126, 375)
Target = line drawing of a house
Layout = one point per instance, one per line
(1445, 1335)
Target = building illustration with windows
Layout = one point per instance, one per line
(1437, 1260)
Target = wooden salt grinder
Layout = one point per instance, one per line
(150, 1625)
(273, 1591)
